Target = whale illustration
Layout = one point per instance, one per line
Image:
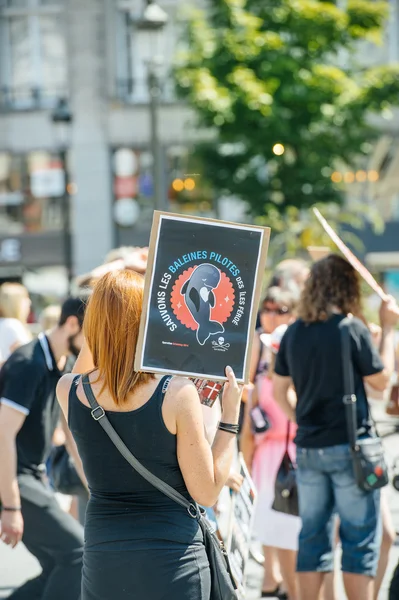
(200, 299)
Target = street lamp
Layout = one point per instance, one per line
(62, 120)
(151, 25)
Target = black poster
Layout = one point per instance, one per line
(202, 294)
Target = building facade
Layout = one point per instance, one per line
(91, 53)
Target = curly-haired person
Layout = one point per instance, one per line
(310, 358)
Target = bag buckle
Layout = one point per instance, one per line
(99, 416)
(349, 399)
(190, 510)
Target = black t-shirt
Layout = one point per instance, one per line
(28, 382)
(311, 355)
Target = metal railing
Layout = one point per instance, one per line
(29, 98)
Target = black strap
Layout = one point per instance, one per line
(349, 399)
(99, 415)
(255, 396)
(260, 353)
(287, 439)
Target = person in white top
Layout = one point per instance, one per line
(14, 311)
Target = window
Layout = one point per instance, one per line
(31, 190)
(134, 49)
(33, 70)
(185, 190)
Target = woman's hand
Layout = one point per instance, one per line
(11, 527)
(231, 399)
(376, 333)
(235, 481)
(247, 391)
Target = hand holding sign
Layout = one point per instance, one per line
(231, 399)
(389, 313)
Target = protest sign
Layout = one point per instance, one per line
(201, 297)
(350, 257)
(239, 538)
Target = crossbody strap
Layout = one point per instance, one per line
(287, 439)
(349, 399)
(99, 415)
(255, 396)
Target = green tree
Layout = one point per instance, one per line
(267, 72)
(297, 229)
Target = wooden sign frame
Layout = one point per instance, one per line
(159, 218)
(350, 257)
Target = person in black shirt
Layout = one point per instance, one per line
(310, 359)
(29, 413)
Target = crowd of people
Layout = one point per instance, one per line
(119, 537)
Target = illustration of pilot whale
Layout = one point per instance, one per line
(200, 299)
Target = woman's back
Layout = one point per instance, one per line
(145, 433)
(113, 482)
(311, 353)
(127, 515)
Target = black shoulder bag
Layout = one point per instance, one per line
(223, 586)
(369, 464)
(285, 487)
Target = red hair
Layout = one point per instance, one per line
(111, 327)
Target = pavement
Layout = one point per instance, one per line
(18, 565)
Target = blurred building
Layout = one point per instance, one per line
(385, 156)
(382, 188)
(91, 53)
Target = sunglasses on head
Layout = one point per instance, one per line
(283, 310)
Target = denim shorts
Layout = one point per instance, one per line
(327, 486)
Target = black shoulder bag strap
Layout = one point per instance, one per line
(99, 415)
(369, 464)
(349, 382)
(287, 438)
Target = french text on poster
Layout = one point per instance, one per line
(202, 292)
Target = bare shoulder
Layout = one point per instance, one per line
(181, 386)
(181, 393)
(64, 387)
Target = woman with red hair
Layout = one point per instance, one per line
(138, 542)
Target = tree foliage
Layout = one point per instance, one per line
(297, 229)
(266, 72)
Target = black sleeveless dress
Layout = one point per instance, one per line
(139, 544)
